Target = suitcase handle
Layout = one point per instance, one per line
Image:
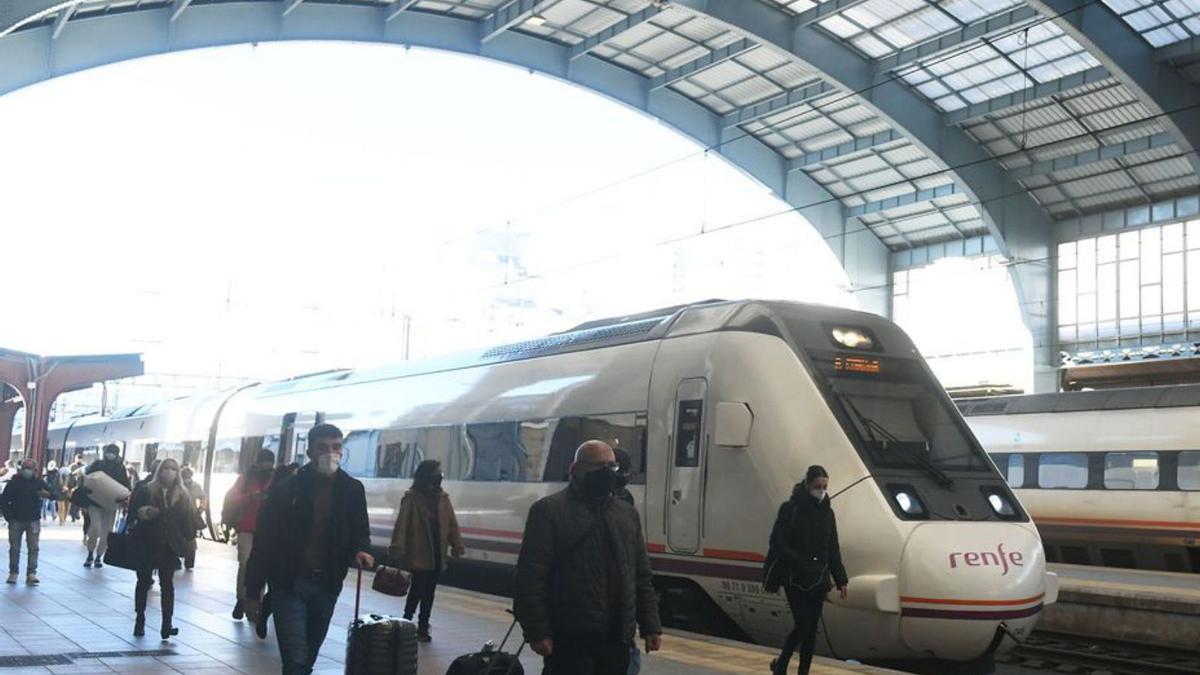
(357, 592)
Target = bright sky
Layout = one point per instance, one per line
(265, 211)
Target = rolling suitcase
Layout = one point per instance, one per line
(378, 644)
(490, 660)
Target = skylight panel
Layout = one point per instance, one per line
(871, 46)
(840, 27)
(970, 11)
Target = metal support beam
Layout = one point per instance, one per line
(825, 10)
(624, 25)
(398, 7)
(1131, 60)
(506, 17)
(1159, 140)
(920, 256)
(1019, 98)
(716, 56)
(290, 6)
(177, 9)
(848, 148)
(789, 99)
(957, 37)
(61, 22)
(908, 199)
(1183, 50)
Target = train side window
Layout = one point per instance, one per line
(620, 430)
(1063, 470)
(499, 455)
(1189, 470)
(1131, 471)
(1016, 470)
(689, 433)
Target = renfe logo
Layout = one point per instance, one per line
(989, 559)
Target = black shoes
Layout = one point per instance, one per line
(168, 632)
(99, 563)
(260, 626)
(238, 612)
(139, 625)
(423, 634)
(88, 562)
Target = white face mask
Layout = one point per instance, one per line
(328, 464)
(818, 494)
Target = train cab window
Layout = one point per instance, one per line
(1016, 470)
(1189, 470)
(1131, 471)
(1067, 470)
(689, 433)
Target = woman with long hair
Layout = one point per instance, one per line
(425, 529)
(163, 520)
(804, 557)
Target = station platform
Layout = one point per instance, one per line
(80, 621)
(1156, 608)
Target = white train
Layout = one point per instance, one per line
(723, 406)
(1111, 477)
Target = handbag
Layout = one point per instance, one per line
(391, 581)
(775, 568)
(123, 550)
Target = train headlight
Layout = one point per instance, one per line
(906, 498)
(1001, 505)
(853, 338)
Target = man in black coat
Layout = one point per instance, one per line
(311, 528)
(22, 506)
(583, 576)
(102, 516)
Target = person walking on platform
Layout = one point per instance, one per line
(54, 485)
(426, 528)
(74, 481)
(21, 503)
(163, 522)
(240, 511)
(803, 555)
(102, 516)
(311, 528)
(198, 498)
(583, 577)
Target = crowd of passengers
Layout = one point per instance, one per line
(583, 582)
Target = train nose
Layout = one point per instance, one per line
(958, 584)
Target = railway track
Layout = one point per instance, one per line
(1074, 654)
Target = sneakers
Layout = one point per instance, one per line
(31, 579)
(99, 563)
(168, 632)
(12, 578)
(88, 562)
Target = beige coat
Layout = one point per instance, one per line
(412, 542)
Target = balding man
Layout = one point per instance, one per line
(583, 576)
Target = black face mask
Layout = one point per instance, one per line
(599, 484)
(436, 482)
(110, 457)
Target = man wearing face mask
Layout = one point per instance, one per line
(102, 516)
(240, 511)
(21, 503)
(311, 528)
(806, 555)
(426, 528)
(583, 576)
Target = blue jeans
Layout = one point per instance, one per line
(302, 616)
(635, 660)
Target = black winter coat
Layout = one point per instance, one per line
(169, 534)
(284, 524)
(21, 501)
(114, 469)
(805, 539)
(561, 594)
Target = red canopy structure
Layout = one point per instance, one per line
(40, 379)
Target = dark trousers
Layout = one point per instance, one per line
(302, 614)
(166, 581)
(806, 617)
(424, 585)
(595, 655)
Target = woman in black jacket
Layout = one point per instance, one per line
(804, 555)
(163, 520)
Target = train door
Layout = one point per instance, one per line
(688, 447)
(293, 436)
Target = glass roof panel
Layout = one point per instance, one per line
(970, 11)
(1160, 22)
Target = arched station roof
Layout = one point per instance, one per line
(899, 128)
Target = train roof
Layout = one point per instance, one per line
(1171, 396)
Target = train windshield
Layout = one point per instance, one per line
(891, 405)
